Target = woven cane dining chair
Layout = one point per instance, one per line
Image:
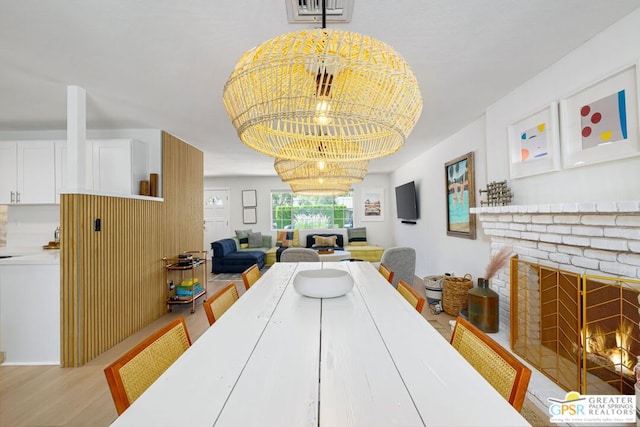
(501, 369)
(250, 276)
(130, 375)
(386, 272)
(411, 295)
(220, 302)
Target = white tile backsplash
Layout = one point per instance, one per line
(31, 225)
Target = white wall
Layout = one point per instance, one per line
(611, 50)
(378, 233)
(436, 252)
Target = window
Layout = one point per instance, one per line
(292, 211)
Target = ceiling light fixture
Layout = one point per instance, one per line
(349, 93)
(314, 189)
(294, 172)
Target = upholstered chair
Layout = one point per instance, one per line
(300, 255)
(402, 261)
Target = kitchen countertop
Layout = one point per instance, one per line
(26, 256)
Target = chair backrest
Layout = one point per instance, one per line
(250, 276)
(411, 295)
(300, 255)
(386, 272)
(402, 261)
(130, 375)
(501, 369)
(220, 302)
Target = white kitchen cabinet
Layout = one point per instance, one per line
(27, 172)
(118, 165)
(113, 166)
(30, 314)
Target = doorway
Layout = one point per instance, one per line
(216, 217)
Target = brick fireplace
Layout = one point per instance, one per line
(563, 242)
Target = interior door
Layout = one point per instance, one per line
(216, 217)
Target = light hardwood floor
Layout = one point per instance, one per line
(53, 396)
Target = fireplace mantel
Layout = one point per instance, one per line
(598, 238)
(632, 207)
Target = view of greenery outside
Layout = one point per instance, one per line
(290, 211)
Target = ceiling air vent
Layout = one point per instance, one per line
(310, 11)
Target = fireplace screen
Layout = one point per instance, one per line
(580, 331)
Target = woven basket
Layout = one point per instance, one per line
(454, 293)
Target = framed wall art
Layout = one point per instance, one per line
(372, 204)
(249, 199)
(460, 193)
(600, 122)
(534, 143)
(249, 216)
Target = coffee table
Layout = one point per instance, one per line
(335, 256)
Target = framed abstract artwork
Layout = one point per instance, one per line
(600, 122)
(460, 192)
(534, 143)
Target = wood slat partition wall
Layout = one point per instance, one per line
(112, 281)
(183, 192)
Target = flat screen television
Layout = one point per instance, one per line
(406, 203)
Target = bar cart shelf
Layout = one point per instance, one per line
(191, 268)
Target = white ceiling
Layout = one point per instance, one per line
(162, 64)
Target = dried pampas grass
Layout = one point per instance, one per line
(497, 262)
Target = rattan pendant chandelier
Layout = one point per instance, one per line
(316, 189)
(296, 172)
(323, 95)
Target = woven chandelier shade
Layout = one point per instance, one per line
(322, 172)
(323, 95)
(315, 189)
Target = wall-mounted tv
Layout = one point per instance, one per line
(406, 203)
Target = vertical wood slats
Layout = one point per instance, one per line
(112, 281)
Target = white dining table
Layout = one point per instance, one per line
(277, 358)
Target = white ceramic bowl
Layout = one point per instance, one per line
(323, 283)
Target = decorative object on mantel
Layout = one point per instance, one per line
(483, 301)
(498, 194)
(323, 94)
(454, 293)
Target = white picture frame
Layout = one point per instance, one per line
(534, 143)
(372, 204)
(583, 139)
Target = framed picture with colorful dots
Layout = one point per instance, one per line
(534, 143)
(600, 122)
